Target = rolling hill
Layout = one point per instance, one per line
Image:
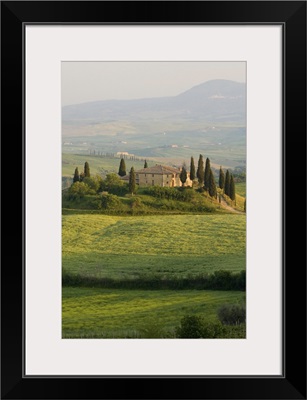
(208, 118)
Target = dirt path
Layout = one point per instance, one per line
(229, 208)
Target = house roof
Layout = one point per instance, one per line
(159, 170)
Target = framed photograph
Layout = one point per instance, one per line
(162, 151)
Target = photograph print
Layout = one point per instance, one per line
(153, 200)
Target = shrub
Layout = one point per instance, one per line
(110, 201)
(240, 280)
(226, 280)
(113, 184)
(232, 314)
(135, 202)
(79, 190)
(195, 327)
(112, 180)
(212, 330)
(222, 280)
(170, 193)
(93, 182)
(121, 190)
(191, 327)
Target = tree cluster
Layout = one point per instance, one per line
(196, 327)
(132, 178)
(227, 184)
(205, 175)
(85, 174)
(96, 184)
(114, 185)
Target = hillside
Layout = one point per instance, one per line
(212, 101)
(98, 165)
(208, 118)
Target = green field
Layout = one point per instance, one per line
(164, 246)
(98, 165)
(241, 188)
(225, 144)
(152, 247)
(239, 203)
(93, 313)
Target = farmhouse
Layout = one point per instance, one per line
(160, 175)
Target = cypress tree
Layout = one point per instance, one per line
(145, 164)
(200, 170)
(122, 168)
(192, 170)
(87, 173)
(227, 183)
(183, 175)
(232, 189)
(207, 174)
(212, 185)
(221, 179)
(76, 176)
(132, 181)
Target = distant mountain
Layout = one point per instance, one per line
(217, 98)
(217, 87)
(215, 101)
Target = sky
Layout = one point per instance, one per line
(91, 81)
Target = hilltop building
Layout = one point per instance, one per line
(159, 175)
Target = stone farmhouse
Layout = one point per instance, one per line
(160, 175)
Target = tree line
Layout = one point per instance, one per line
(100, 153)
(218, 280)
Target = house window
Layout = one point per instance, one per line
(137, 175)
(152, 175)
(167, 177)
(153, 182)
(145, 175)
(167, 183)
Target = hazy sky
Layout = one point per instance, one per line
(91, 81)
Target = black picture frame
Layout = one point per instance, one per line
(292, 16)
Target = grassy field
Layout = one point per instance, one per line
(98, 165)
(225, 144)
(240, 202)
(95, 313)
(241, 189)
(130, 247)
